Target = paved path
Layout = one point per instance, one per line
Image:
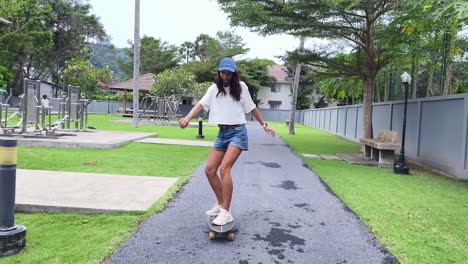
(166, 141)
(72, 139)
(285, 214)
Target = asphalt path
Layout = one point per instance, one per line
(284, 214)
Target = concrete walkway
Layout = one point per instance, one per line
(70, 192)
(284, 214)
(165, 141)
(88, 139)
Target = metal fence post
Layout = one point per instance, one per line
(12, 237)
(337, 120)
(464, 139)
(418, 133)
(345, 121)
(391, 117)
(356, 122)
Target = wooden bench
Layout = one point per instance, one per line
(382, 149)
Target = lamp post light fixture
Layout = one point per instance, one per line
(400, 167)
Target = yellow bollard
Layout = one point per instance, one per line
(12, 237)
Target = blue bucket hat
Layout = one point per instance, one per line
(227, 64)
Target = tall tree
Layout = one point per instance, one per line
(81, 73)
(45, 34)
(73, 26)
(295, 88)
(186, 50)
(224, 44)
(26, 38)
(207, 51)
(361, 24)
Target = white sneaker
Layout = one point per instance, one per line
(214, 211)
(223, 217)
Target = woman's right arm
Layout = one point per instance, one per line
(183, 122)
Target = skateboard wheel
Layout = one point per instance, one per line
(231, 236)
(211, 235)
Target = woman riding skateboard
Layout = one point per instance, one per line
(228, 100)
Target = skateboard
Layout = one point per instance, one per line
(225, 231)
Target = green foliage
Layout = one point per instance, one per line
(341, 89)
(225, 44)
(44, 35)
(199, 89)
(5, 76)
(103, 55)
(204, 71)
(72, 26)
(304, 93)
(178, 82)
(156, 56)
(457, 9)
(26, 38)
(255, 74)
(460, 73)
(206, 48)
(81, 73)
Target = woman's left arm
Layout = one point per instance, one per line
(260, 120)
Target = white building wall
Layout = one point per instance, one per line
(284, 95)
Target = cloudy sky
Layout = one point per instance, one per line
(176, 21)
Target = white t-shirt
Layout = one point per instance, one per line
(45, 102)
(224, 109)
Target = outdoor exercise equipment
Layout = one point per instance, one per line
(159, 108)
(4, 118)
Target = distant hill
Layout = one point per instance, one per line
(107, 55)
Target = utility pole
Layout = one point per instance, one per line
(297, 75)
(136, 65)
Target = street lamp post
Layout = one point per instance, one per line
(400, 167)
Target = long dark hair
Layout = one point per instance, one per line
(235, 87)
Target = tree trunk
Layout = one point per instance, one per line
(448, 79)
(367, 107)
(415, 81)
(297, 74)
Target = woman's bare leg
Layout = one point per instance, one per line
(214, 160)
(230, 157)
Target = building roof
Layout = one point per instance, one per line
(279, 73)
(145, 82)
(4, 21)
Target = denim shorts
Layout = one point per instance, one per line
(232, 136)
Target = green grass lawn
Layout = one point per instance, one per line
(132, 159)
(75, 238)
(311, 141)
(421, 218)
(104, 122)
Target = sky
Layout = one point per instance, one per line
(177, 21)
